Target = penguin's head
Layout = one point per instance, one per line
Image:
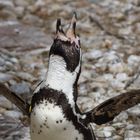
(67, 45)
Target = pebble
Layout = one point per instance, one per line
(85, 103)
(122, 117)
(13, 114)
(21, 89)
(108, 77)
(117, 85)
(95, 54)
(4, 77)
(105, 132)
(122, 77)
(2, 61)
(21, 3)
(116, 68)
(131, 135)
(14, 60)
(118, 125)
(5, 103)
(134, 111)
(25, 76)
(6, 3)
(125, 31)
(133, 60)
(19, 11)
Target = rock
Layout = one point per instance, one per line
(21, 3)
(2, 110)
(25, 76)
(95, 54)
(5, 77)
(122, 117)
(126, 31)
(112, 62)
(85, 103)
(5, 103)
(122, 77)
(21, 89)
(19, 11)
(7, 14)
(108, 77)
(6, 3)
(117, 85)
(9, 64)
(2, 62)
(40, 3)
(116, 68)
(131, 126)
(13, 114)
(117, 137)
(133, 61)
(131, 135)
(14, 60)
(118, 125)
(134, 111)
(105, 132)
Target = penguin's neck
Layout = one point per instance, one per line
(59, 78)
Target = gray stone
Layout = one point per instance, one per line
(25, 76)
(117, 85)
(131, 135)
(95, 54)
(6, 3)
(105, 132)
(5, 77)
(21, 88)
(122, 77)
(5, 103)
(19, 11)
(2, 62)
(122, 117)
(133, 60)
(22, 3)
(13, 114)
(134, 111)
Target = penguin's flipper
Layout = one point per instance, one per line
(110, 108)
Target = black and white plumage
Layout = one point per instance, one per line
(55, 114)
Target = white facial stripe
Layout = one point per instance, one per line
(59, 78)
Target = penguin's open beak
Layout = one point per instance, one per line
(70, 34)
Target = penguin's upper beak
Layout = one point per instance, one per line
(71, 30)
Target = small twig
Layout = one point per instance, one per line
(15, 99)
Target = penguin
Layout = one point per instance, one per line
(55, 114)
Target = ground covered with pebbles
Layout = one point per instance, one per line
(110, 38)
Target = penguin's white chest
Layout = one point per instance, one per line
(49, 123)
